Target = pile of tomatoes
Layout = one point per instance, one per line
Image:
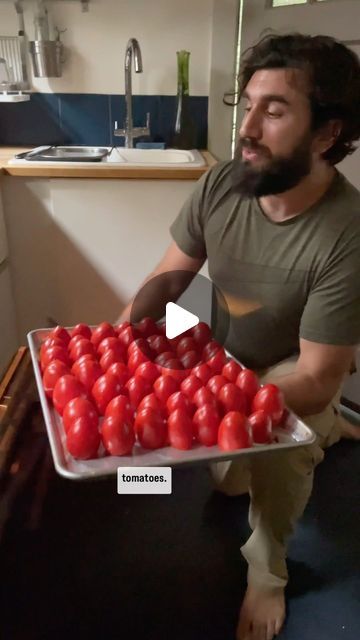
(127, 384)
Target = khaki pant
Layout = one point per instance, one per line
(280, 484)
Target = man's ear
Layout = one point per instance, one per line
(327, 135)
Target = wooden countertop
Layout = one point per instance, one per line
(98, 170)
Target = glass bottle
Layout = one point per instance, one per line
(185, 130)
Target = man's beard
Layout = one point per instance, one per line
(279, 174)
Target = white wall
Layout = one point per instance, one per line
(96, 43)
(336, 18)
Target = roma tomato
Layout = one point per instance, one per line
(147, 327)
(186, 344)
(83, 439)
(215, 383)
(54, 353)
(190, 359)
(111, 343)
(74, 340)
(204, 396)
(78, 408)
(80, 348)
(231, 370)
(179, 400)
(105, 389)
(210, 349)
(153, 402)
(217, 361)
(87, 371)
(136, 359)
(120, 407)
(137, 388)
(206, 422)
(51, 342)
(150, 428)
(148, 370)
(180, 430)
(108, 358)
(174, 369)
(61, 333)
(270, 399)
(231, 398)
(103, 330)
(261, 426)
(120, 370)
(117, 435)
(164, 386)
(159, 344)
(203, 372)
(248, 382)
(118, 328)
(140, 344)
(201, 333)
(52, 373)
(66, 388)
(234, 432)
(190, 385)
(128, 335)
(81, 329)
(162, 358)
(86, 357)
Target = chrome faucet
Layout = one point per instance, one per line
(130, 132)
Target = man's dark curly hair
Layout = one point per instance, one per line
(334, 74)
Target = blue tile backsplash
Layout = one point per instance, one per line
(77, 118)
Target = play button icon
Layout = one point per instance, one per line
(178, 320)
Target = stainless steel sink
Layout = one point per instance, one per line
(65, 154)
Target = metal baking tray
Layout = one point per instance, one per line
(294, 433)
(65, 154)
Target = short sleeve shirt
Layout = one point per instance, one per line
(298, 278)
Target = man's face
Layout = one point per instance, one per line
(275, 146)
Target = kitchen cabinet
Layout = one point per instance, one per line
(8, 338)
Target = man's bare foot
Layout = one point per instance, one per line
(262, 614)
(349, 430)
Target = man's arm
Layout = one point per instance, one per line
(174, 259)
(317, 377)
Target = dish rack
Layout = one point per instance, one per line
(13, 70)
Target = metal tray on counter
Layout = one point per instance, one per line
(294, 433)
(65, 154)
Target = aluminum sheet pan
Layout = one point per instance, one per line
(294, 433)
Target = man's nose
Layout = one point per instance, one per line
(251, 126)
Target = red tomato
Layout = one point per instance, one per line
(110, 356)
(61, 333)
(210, 349)
(136, 359)
(103, 330)
(120, 407)
(203, 372)
(231, 398)
(174, 369)
(120, 370)
(261, 426)
(74, 340)
(164, 386)
(190, 359)
(87, 357)
(161, 327)
(153, 402)
(54, 353)
(52, 373)
(179, 400)
(66, 388)
(190, 385)
(158, 343)
(231, 370)
(206, 421)
(201, 333)
(186, 344)
(215, 383)
(83, 439)
(78, 408)
(137, 388)
(180, 430)
(105, 389)
(121, 326)
(81, 329)
(80, 348)
(248, 382)
(217, 361)
(150, 428)
(128, 335)
(204, 396)
(117, 435)
(162, 358)
(51, 342)
(140, 344)
(270, 399)
(147, 327)
(234, 432)
(111, 343)
(148, 370)
(87, 371)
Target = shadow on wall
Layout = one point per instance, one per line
(51, 277)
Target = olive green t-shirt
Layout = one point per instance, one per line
(298, 278)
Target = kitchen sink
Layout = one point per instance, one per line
(114, 156)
